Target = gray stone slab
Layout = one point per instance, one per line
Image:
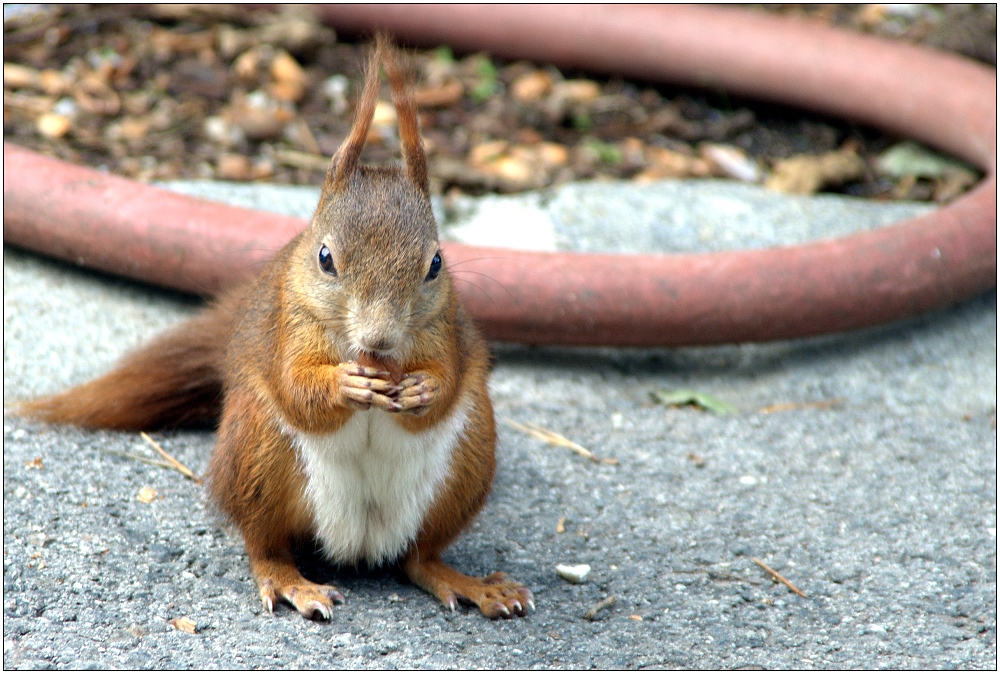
(860, 466)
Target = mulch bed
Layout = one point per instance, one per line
(160, 92)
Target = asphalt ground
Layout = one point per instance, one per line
(861, 467)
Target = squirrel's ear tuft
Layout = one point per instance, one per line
(406, 112)
(345, 161)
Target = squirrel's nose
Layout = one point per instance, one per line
(376, 343)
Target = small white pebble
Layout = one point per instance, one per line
(66, 107)
(748, 480)
(617, 420)
(335, 88)
(574, 574)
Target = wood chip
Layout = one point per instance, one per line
(184, 624)
(447, 94)
(636, 617)
(180, 467)
(146, 495)
(36, 463)
(16, 76)
(599, 606)
(531, 86)
(53, 126)
(778, 578)
(313, 162)
(552, 438)
(561, 525)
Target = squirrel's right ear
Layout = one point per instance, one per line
(345, 160)
(406, 112)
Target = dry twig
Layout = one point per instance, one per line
(721, 575)
(779, 578)
(599, 606)
(784, 407)
(174, 463)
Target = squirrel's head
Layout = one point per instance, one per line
(369, 266)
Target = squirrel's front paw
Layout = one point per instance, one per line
(362, 387)
(309, 599)
(417, 392)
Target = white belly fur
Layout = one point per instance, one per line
(371, 483)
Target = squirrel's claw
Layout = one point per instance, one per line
(312, 601)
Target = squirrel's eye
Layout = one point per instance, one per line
(435, 267)
(326, 261)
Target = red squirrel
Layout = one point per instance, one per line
(353, 387)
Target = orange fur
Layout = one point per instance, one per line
(173, 381)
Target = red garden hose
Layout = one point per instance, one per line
(929, 262)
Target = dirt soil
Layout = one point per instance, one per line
(158, 92)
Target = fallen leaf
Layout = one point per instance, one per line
(147, 495)
(806, 174)
(682, 397)
(184, 624)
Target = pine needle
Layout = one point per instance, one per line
(136, 457)
(553, 438)
(174, 463)
(779, 578)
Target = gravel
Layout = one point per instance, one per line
(873, 490)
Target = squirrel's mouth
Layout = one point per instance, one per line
(383, 362)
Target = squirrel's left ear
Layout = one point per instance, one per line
(345, 161)
(406, 112)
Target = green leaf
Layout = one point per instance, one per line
(483, 90)
(912, 159)
(444, 54)
(486, 69)
(681, 397)
(582, 121)
(606, 153)
(488, 84)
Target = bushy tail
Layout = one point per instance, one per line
(175, 380)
